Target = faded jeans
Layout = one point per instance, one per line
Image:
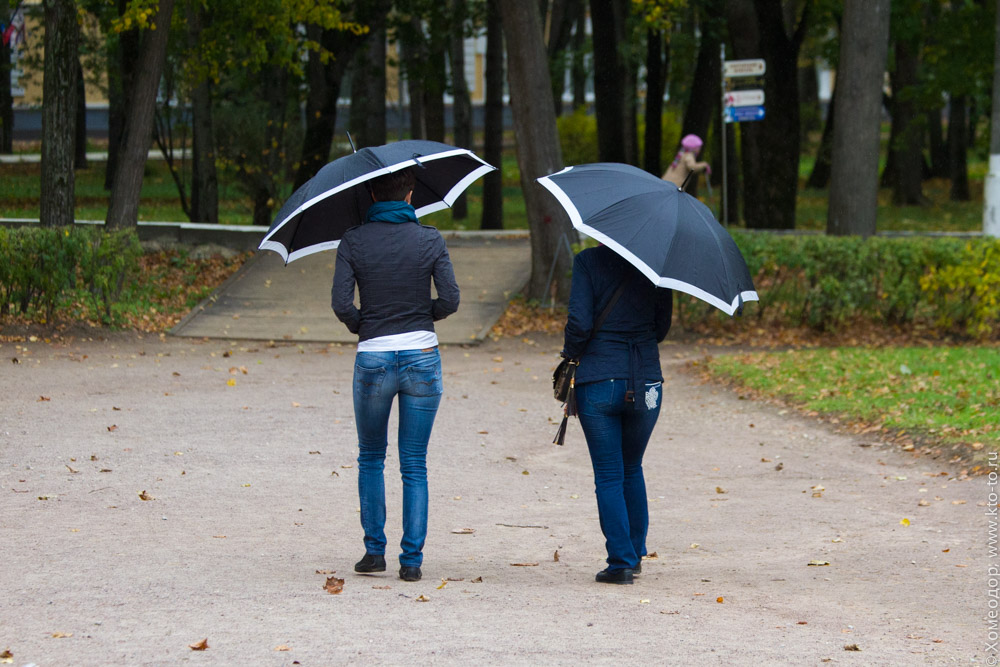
(617, 433)
(415, 376)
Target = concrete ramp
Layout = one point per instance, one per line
(266, 300)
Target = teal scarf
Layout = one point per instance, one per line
(390, 211)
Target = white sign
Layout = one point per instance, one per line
(743, 98)
(737, 68)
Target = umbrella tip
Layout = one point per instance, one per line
(352, 142)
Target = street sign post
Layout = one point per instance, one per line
(742, 102)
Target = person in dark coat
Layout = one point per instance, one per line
(619, 390)
(392, 260)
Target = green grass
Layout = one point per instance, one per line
(945, 394)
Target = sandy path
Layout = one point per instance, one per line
(254, 490)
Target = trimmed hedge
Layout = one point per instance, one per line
(826, 283)
(42, 266)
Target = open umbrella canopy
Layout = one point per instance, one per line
(316, 216)
(667, 234)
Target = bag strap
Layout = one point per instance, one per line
(599, 322)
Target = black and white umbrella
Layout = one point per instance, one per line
(667, 234)
(316, 216)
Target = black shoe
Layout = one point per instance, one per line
(409, 573)
(609, 576)
(637, 569)
(370, 563)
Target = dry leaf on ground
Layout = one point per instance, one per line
(524, 564)
(423, 598)
(334, 586)
(463, 531)
(199, 646)
(145, 496)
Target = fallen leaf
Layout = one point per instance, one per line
(719, 489)
(113, 427)
(923, 503)
(61, 635)
(477, 580)
(43, 398)
(457, 498)
(296, 405)
(524, 564)
(455, 579)
(720, 599)
(652, 556)
(643, 601)
(958, 502)
(282, 648)
(382, 588)
(423, 598)
(6, 656)
(765, 460)
(803, 623)
(837, 540)
(199, 646)
(463, 531)
(145, 496)
(555, 556)
(852, 647)
(694, 545)
(326, 572)
(779, 466)
(944, 551)
(334, 585)
(104, 470)
(315, 452)
(71, 470)
(483, 432)
(818, 563)
(904, 521)
(525, 473)
(231, 382)
(219, 537)
(444, 582)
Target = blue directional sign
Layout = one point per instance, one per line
(744, 114)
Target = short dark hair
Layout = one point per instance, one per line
(393, 186)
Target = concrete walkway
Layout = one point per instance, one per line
(267, 300)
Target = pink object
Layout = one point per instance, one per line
(691, 142)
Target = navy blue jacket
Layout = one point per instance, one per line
(626, 345)
(392, 264)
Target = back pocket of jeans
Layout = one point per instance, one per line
(368, 381)
(654, 394)
(424, 381)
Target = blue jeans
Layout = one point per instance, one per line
(415, 376)
(617, 433)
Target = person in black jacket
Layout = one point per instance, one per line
(618, 393)
(392, 260)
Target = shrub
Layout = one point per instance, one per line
(828, 283)
(41, 266)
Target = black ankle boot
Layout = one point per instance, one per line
(409, 573)
(370, 563)
(609, 576)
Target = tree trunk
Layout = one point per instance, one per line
(655, 79)
(991, 188)
(958, 147)
(538, 151)
(80, 131)
(578, 73)
(122, 59)
(706, 88)
(59, 93)
(493, 119)
(907, 156)
(864, 45)
(462, 105)
(273, 89)
(415, 54)
(770, 194)
(6, 99)
(820, 176)
(123, 209)
(368, 84)
(434, 86)
(560, 32)
(938, 146)
(811, 110)
(204, 176)
(323, 81)
(610, 79)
